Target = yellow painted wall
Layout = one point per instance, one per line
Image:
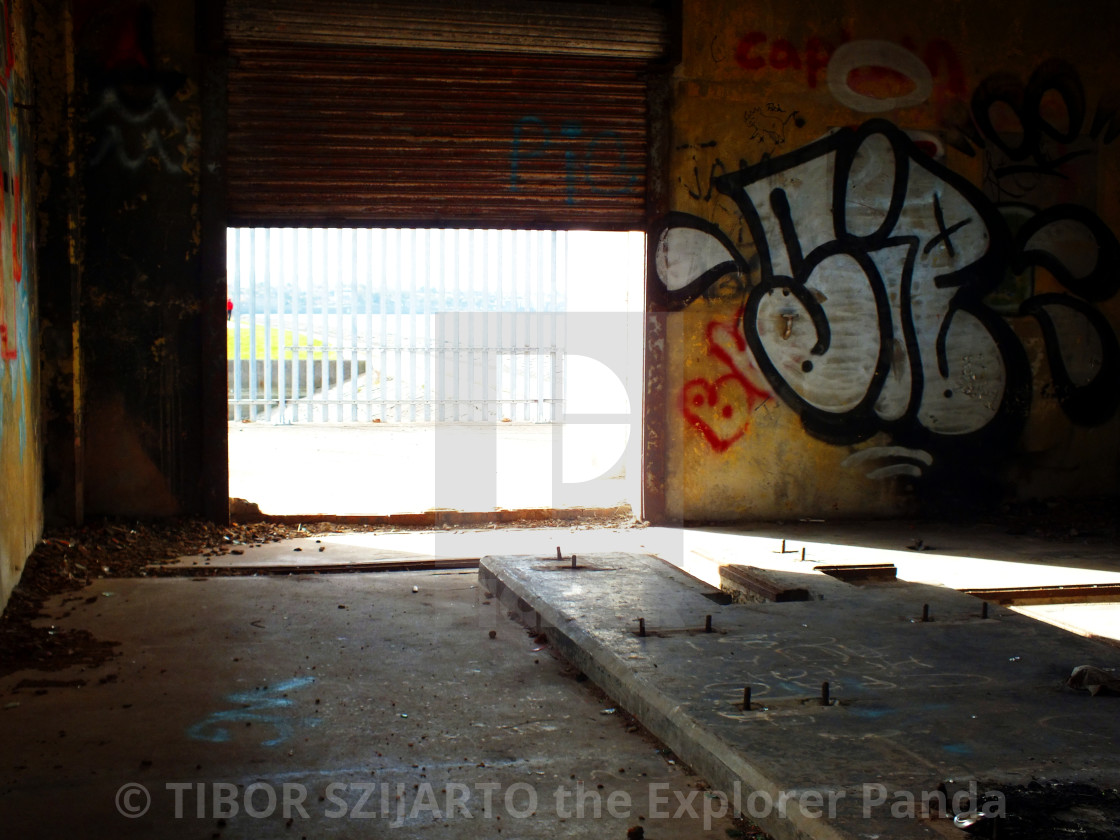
(20, 456)
(846, 428)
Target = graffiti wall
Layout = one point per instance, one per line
(20, 482)
(891, 261)
(141, 294)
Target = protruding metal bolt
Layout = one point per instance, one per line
(573, 561)
(707, 624)
(559, 556)
(984, 610)
(925, 612)
(825, 700)
(783, 546)
(747, 699)
(802, 554)
(641, 627)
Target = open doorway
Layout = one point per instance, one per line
(376, 371)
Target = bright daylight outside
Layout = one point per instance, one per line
(378, 371)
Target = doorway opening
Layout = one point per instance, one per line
(379, 371)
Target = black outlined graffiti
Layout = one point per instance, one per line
(695, 258)
(1041, 239)
(869, 311)
(1025, 103)
(1039, 134)
(838, 254)
(701, 188)
(1089, 396)
(1033, 168)
(768, 127)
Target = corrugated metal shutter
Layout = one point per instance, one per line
(521, 26)
(333, 120)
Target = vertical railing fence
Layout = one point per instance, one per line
(392, 325)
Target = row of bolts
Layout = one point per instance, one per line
(925, 607)
(825, 698)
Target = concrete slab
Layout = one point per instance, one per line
(269, 707)
(913, 704)
(373, 548)
(967, 557)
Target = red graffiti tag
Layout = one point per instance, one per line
(17, 232)
(8, 351)
(720, 410)
(9, 344)
(755, 51)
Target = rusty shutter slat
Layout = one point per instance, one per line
(352, 135)
(524, 27)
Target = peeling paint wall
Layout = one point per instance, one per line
(890, 265)
(21, 514)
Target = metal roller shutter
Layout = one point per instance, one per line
(334, 118)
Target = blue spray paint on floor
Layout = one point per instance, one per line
(261, 706)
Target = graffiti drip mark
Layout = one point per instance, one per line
(913, 457)
(943, 234)
(256, 707)
(720, 410)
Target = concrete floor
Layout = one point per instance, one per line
(957, 556)
(381, 469)
(230, 697)
(313, 680)
(962, 699)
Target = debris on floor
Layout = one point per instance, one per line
(1095, 680)
(1042, 810)
(70, 558)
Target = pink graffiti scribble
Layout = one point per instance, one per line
(720, 410)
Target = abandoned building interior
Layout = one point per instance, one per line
(844, 563)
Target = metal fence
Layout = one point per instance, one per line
(394, 325)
